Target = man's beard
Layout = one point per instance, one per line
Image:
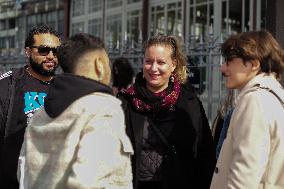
(38, 68)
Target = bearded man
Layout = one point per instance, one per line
(22, 92)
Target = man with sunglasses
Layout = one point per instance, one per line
(22, 92)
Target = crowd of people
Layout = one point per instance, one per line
(80, 129)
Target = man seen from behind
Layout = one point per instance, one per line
(78, 139)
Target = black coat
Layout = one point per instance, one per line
(11, 131)
(194, 162)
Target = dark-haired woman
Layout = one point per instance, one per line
(252, 154)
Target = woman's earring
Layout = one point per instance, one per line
(172, 78)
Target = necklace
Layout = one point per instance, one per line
(45, 82)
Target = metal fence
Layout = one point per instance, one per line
(204, 60)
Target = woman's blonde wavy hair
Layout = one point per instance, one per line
(181, 69)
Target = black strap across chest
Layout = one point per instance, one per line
(169, 146)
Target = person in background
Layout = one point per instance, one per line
(252, 154)
(122, 73)
(166, 122)
(221, 122)
(22, 92)
(78, 139)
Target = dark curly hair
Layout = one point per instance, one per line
(39, 29)
(122, 73)
(72, 49)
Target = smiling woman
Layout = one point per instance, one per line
(158, 67)
(166, 122)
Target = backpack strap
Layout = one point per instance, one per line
(272, 92)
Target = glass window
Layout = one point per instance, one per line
(191, 20)
(2, 43)
(133, 1)
(51, 16)
(133, 24)
(61, 15)
(225, 17)
(201, 20)
(158, 19)
(7, 42)
(170, 24)
(200, 1)
(31, 21)
(211, 15)
(160, 22)
(246, 18)
(174, 19)
(44, 19)
(264, 13)
(114, 28)
(78, 7)
(2, 24)
(11, 41)
(11, 23)
(95, 5)
(193, 2)
(113, 3)
(51, 19)
(77, 28)
(60, 23)
(94, 26)
(234, 17)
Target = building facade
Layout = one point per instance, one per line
(120, 19)
(202, 26)
(8, 29)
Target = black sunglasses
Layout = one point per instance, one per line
(45, 50)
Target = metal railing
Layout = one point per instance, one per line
(204, 62)
(204, 59)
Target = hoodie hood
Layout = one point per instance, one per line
(67, 88)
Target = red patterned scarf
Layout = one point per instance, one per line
(144, 100)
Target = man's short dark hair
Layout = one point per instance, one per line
(39, 29)
(72, 49)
